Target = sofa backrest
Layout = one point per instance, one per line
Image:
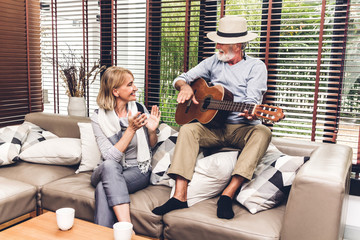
(66, 126)
(61, 125)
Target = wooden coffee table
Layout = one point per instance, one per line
(45, 227)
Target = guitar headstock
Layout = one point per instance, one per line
(269, 113)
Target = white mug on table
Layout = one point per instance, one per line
(123, 231)
(65, 218)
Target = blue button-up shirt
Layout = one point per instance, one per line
(247, 80)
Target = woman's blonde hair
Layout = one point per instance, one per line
(112, 78)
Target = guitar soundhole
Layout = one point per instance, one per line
(206, 103)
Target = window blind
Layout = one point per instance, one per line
(131, 40)
(310, 49)
(70, 32)
(20, 72)
(349, 119)
(175, 34)
(110, 31)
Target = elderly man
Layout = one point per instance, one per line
(246, 78)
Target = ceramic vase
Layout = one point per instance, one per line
(77, 106)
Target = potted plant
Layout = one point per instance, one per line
(75, 78)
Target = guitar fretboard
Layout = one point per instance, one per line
(229, 106)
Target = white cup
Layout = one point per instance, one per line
(123, 231)
(65, 218)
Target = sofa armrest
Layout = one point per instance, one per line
(316, 207)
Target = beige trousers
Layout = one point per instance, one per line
(252, 140)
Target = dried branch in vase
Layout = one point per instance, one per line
(75, 76)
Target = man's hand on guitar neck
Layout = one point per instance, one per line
(247, 115)
(185, 92)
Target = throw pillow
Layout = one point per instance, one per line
(11, 139)
(12, 127)
(271, 181)
(211, 175)
(36, 134)
(58, 151)
(91, 155)
(162, 155)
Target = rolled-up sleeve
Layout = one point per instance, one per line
(256, 83)
(202, 70)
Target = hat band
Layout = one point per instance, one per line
(222, 34)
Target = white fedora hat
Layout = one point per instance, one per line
(231, 30)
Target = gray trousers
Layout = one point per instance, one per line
(113, 186)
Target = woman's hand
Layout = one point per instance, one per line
(137, 121)
(154, 119)
(152, 124)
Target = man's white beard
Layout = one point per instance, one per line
(225, 57)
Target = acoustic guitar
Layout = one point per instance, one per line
(215, 103)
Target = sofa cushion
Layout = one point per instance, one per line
(142, 203)
(16, 199)
(36, 134)
(60, 125)
(35, 174)
(271, 182)
(90, 152)
(11, 140)
(162, 154)
(77, 192)
(200, 222)
(57, 151)
(211, 175)
(73, 191)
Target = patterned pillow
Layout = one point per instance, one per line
(11, 139)
(162, 154)
(211, 175)
(36, 135)
(271, 181)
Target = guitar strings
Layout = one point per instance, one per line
(228, 105)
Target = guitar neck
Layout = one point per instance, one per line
(231, 106)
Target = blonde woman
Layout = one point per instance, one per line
(125, 133)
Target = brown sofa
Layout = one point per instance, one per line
(315, 208)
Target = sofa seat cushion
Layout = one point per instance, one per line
(77, 192)
(200, 222)
(142, 203)
(16, 199)
(73, 191)
(35, 174)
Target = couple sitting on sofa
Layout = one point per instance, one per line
(125, 131)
